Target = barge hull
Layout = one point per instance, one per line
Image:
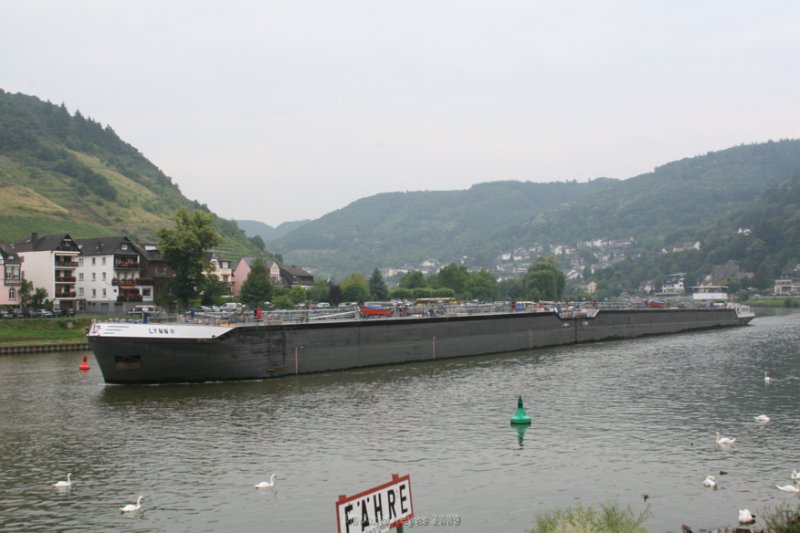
(133, 353)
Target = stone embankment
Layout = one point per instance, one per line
(42, 348)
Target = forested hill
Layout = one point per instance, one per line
(673, 202)
(63, 172)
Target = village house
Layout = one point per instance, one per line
(279, 275)
(294, 276)
(788, 284)
(222, 269)
(243, 268)
(49, 262)
(12, 276)
(110, 275)
(673, 284)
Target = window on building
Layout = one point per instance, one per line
(80, 276)
(12, 294)
(104, 293)
(146, 292)
(94, 276)
(80, 292)
(94, 261)
(80, 261)
(104, 260)
(94, 293)
(124, 246)
(104, 276)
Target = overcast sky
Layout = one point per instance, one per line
(285, 110)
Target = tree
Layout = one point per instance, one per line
(335, 294)
(25, 290)
(282, 301)
(212, 289)
(258, 242)
(257, 288)
(377, 286)
(355, 288)
(544, 280)
(184, 249)
(480, 286)
(320, 292)
(452, 276)
(414, 279)
(39, 298)
(297, 294)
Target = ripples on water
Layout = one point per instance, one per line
(611, 422)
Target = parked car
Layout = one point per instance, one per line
(143, 310)
(5, 314)
(42, 313)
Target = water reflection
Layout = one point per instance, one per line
(520, 429)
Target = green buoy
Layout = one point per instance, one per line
(520, 417)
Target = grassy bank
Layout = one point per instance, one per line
(774, 302)
(25, 331)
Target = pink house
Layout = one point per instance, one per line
(243, 268)
(10, 276)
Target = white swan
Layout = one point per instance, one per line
(762, 419)
(725, 441)
(129, 508)
(795, 475)
(789, 488)
(64, 484)
(746, 517)
(266, 484)
(710, 481)
(767, 379)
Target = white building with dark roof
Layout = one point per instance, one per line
(49, 262)
(110, 275)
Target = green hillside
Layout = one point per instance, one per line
(674, 202)
(761, 238)
(62, 172)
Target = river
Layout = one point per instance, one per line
(612, 422)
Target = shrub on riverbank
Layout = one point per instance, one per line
(773, 302)
(609, 518)
(24, 331)
(782, 519)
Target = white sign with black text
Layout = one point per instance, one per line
(378, 509)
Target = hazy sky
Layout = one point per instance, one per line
(283, 110)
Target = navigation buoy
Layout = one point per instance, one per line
(84, 366)
(520, 417)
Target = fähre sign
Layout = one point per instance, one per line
(377, 509)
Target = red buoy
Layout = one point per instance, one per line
(85, 365)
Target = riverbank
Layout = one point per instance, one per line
(30, 335)
(774, 301)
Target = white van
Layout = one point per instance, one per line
(143, 310)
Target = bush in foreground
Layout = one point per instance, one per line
(608, 518)
(782, 519)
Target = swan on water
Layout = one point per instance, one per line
(746, 517)
(795, 475)
(710, 481)
(762, 419)
(64, 484)
(725, 441)
(129, 508)
(767, 379)
(789, 488)
(266, 484)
